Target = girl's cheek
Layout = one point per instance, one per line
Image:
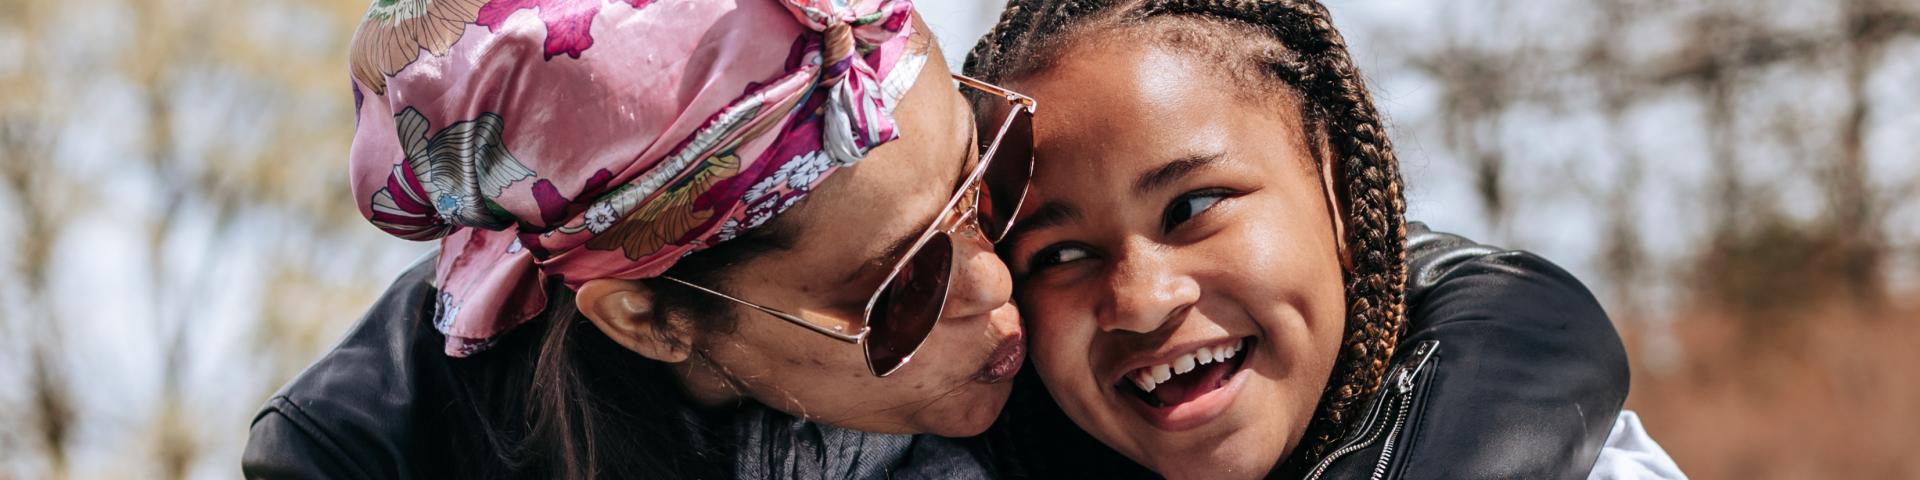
(1057, 349)
(1055, 342)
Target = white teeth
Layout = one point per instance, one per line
(1149, 378)
(1183, 364)
(1145, 384)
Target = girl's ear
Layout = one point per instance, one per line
(628, 312)
(1336, 209)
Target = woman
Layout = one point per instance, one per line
(678, 239)
(1212, 258)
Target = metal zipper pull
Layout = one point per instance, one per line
(1419, 357)
(1404, 389)
(1400, 383)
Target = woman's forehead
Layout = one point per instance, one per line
(861, 214)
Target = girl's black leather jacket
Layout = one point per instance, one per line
(1510, 369)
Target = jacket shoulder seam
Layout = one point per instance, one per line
(298, 418)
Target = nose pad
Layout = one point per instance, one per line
(970, 229)
(981, 282)
(1145, 294)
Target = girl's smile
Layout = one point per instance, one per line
(1180, 391)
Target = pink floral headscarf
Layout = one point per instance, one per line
(572, 140)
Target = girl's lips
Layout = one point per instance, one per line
(1194, 404)
(1004, 362)
(1193, 413)
(1167, 355)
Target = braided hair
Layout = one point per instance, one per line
(1293, 43)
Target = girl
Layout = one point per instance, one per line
(1217, 278)
(678, 239)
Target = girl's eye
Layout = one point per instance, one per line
(1055, 255)
(1187, 206)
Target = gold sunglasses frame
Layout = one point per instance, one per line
(1018, 105)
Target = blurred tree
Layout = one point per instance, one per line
(47, 410)
(1758, 74)
(220, 128)
(1745, 171)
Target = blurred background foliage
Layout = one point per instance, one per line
(1736, 179)
(180, 236)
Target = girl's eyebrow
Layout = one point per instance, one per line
(1054, 213)
(1173, 171)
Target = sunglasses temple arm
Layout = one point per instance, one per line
(994, 149)
(855, 339)
(1012, 97)
(972, 177)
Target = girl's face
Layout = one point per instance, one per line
(1177, 260)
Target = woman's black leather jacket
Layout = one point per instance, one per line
(1510, 369)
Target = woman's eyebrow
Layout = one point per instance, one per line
(969, 158)
(905, 240)
(1173, 171)
(894, 250)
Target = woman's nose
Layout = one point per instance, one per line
(1146, 291)
(980, 281)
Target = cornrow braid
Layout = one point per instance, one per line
(1335, 103)
(1027, 26)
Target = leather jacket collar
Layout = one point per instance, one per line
(1510, 369)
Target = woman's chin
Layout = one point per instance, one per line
(968, 412)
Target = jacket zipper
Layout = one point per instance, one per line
(1401, 389)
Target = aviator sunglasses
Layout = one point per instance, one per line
(904, 308)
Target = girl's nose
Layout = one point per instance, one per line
(1146, 291)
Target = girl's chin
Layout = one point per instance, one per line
(1231, 445)
(1222, 463)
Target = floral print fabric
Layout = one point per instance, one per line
(568, 140)
(567, 21)
(395, 31)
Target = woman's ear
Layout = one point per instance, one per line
(629, 313)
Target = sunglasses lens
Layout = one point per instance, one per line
(910, 305)
(1007, 177)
